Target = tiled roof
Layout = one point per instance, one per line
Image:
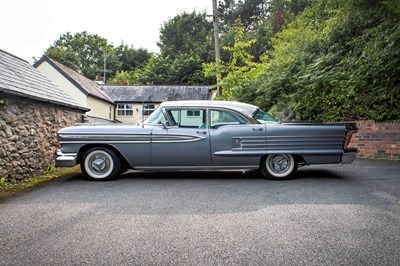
(18, 77)
(157, 93)
(87, 86)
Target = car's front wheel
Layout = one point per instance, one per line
(278, 166)
(101, 164)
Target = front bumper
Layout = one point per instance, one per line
(349, 155)
(65, 159)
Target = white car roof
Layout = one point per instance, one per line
(245, 108)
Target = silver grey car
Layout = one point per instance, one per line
(192, 135)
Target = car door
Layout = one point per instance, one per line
(184, 142)
(235, 141)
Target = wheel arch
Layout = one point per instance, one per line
(124, 162)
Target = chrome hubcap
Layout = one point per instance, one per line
(99, 164)
(280, 163)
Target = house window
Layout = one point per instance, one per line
(193, 113)
(148, 108)
(125, 109)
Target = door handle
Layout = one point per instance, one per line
(201, 132)
(257, 129)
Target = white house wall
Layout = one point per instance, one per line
(64, 84)
(97, 107)
(100, 108)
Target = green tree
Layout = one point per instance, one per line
(123, 78)
(247, 11)
(84, 53)
(157, 71)
(132, 58)
(240, 71)
(187, 33)
(261, 18)
(184, 69)
(337, 60)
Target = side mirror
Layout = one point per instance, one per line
(166, 125)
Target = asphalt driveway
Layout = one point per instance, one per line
(328, 215)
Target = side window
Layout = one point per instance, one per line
(223, 118)
(189, 117)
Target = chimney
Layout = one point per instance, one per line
(98, 79)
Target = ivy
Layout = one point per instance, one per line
(3, 101)
(337, 60)
(240, 71)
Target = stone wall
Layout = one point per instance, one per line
(381, 140)
(28, 136)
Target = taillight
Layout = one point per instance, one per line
(348, 139)
(351, 129)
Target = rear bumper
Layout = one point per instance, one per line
(349, 155)
(65, 159)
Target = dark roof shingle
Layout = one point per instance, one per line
(157, 93)
(18, 77)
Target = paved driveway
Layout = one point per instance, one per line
(329, 215)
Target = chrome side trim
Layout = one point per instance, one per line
(254, 152)
(65, 159)
(104, 142)
(197, 167)
(131, 139)
(304, 142)
(175, 138)
(249, 143)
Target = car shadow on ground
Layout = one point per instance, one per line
(302, 173)
(214, 192)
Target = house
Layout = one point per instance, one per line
(83, 90)
(32, 110)
(135, 103)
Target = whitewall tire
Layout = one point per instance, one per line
(101, 164)
(278, 166)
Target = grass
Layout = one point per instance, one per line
(7, 189)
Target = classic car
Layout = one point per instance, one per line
(190, 135)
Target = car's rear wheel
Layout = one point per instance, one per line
(100, 164)
(278, 166)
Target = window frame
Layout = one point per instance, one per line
(180, 116)
(125, 109)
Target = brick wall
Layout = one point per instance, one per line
(28, 140)
(380, 140)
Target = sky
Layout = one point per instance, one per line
(29, 27)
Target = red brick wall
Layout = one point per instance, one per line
(380, 140)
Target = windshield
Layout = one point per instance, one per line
(156, 118)
(264, 118)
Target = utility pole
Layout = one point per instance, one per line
(216, 43)
(104, 70)
(105, 64)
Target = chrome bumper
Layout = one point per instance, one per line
(65, 159)
(349, 155)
